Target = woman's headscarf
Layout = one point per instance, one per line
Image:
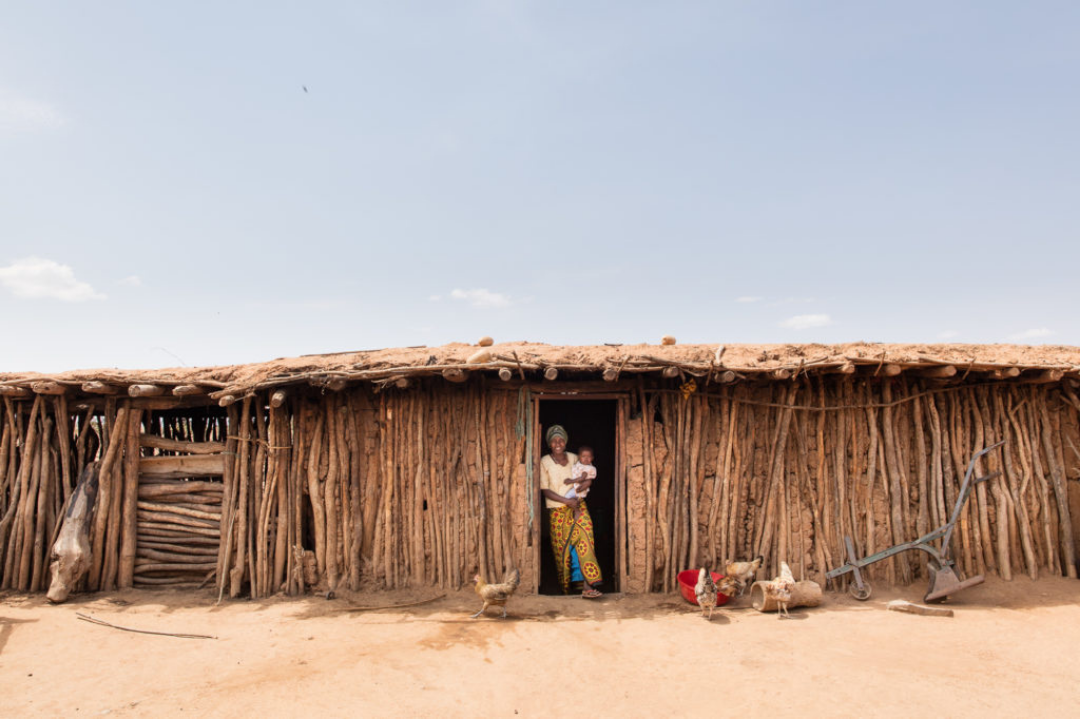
(556, 431)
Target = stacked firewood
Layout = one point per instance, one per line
(179, 530)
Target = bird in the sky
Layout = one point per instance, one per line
(305, 87)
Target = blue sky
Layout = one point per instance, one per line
(549, 171)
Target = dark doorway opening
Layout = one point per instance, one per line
(593, 423)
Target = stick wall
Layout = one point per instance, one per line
(425, 486)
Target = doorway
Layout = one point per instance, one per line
(593, 423)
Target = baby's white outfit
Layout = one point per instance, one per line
(589, 471)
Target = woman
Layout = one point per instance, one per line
(571, 537)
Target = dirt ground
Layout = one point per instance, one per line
(1010, 651)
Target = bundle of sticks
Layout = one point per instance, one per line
(179, 532)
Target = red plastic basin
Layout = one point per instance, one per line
(688, 579)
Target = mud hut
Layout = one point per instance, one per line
(418, 466)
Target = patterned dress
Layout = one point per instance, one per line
(566, 530)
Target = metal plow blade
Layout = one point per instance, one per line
(944, 582)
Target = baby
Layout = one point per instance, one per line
(582, 474)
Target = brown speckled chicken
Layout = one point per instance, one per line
(499, 593)
(705, 590)
(742, 573)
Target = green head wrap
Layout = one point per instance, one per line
(556, 431)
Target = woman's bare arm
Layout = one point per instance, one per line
(552, 495)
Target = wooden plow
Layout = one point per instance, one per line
(942, 568)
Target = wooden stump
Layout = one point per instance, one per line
(806, 593)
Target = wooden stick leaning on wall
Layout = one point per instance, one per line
(126, 572)
(106, 489)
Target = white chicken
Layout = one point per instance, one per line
(779, 589)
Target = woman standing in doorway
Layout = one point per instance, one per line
(571, 537)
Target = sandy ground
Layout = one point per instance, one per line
(1010, 651)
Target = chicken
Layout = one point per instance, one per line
(499, 593)
(741, 573)
(705, 590)
(779, 589)
(729, 586)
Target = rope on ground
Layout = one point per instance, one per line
(96, 621)
(391, 607)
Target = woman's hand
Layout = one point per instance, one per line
(572, 503)
(569, 481)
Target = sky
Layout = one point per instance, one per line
(205, 183)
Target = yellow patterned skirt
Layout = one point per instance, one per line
(566, 533)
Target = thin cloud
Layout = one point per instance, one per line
(791, 301)
(1031, 334)
(946, 334)
(481, 297)
(35, 277)
(804, 322)
(24, 114)
(747, 299)
(131, 281)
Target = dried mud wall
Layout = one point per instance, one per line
(786, 470)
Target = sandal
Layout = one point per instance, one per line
(591, 594)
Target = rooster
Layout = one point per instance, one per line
(741, 573)
(497, 594)
(779, 589)
(705, 590)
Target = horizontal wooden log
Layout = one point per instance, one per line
(186, 390)
(192, 548)
(155, 555)
(227, 400)
(842, 369)
(180, 486)
(178, 510)
(13, 391)
(182, 466)
(145, 390)
(48, 387)
(940, 372)
(610, 374)
(176, 536)
(176, 519)
(195, 448)
(277, 399)
(142, 580)
(455, 375)
(890, 370)
(906, 607)
(551, 373)
(96, 387)
(725, 377)
(207, 501)
(1004, 373)
(149, 565)
(150, 525)
(1044, 376)
(780, 374)
(168, 402)
(806, 593)
(670, 372)
(506, 374)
